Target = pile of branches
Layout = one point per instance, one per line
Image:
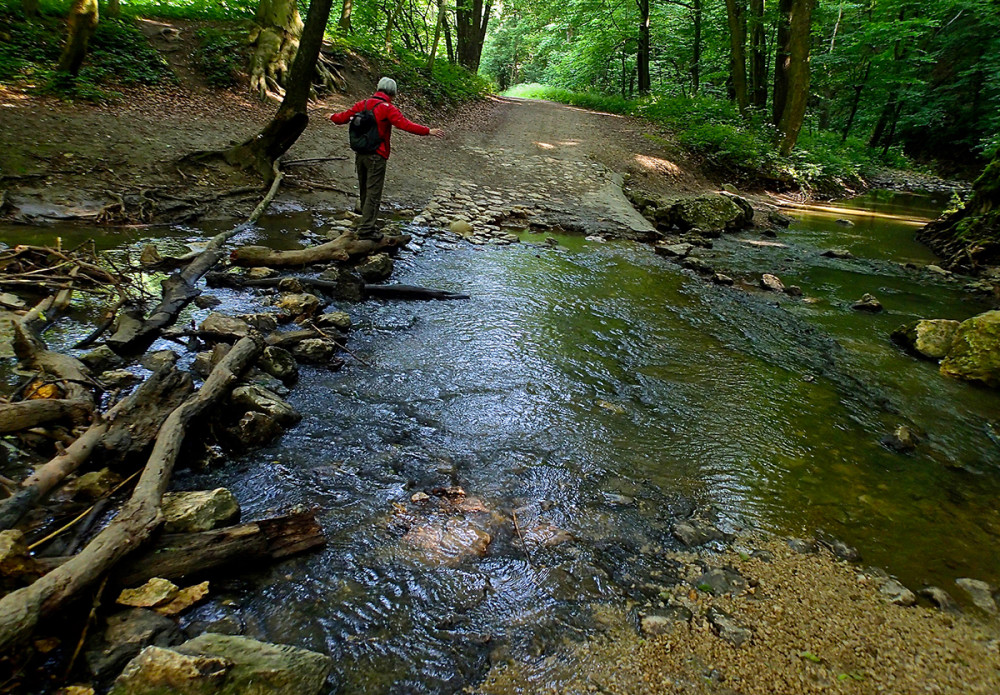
(53, 269)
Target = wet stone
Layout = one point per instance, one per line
(868, 303)
(694, 532)
(128, 633)
(156, 671)
(837, 253)
(207, 301)
(724, 280)
(673, 250)
(803, 546)
(199, 510)
(161, 359)
(255, 430)
(264, 401)
(102, 359)
(896, 593)
(118, 379)
(265, 323)
(303, 304)
(314, 350)
(727, 628)
(721, 580)
(225, 326)
(980, 592)
(335, 319)
(940, 598)
(376, 268)
(93, 485)
(902, 439)
(772, 283)
(843, 551)
(279, 363)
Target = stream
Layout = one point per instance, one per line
(608, 391)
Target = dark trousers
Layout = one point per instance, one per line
(371, 179)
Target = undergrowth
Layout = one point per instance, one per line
(118, 55)
(742, 149)
(222, 54)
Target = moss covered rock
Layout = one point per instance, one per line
(930, 338)
(975, 352)
(709, 213)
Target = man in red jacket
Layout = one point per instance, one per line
(371, 167)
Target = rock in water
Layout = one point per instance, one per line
(264, 401)
(980, 592)
(772, 283)
(975, 352)
(127, 634)
(225, 326)
(930, 338)
(941, 598)
(279, 363)
(896, 593)
(376, 268)
(693, 532)
(868, 303)
(664, 621)
(721, 580)
(710, 213)
(201, 510)
(903, 439)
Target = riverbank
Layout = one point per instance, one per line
(761, 618)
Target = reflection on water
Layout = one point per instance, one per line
(601, 390)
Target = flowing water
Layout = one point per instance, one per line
(601, 389)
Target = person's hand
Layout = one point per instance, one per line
(437, 132)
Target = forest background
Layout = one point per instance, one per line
(808, 93)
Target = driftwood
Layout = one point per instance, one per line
(127, 428)
(21, 610)
(181, 555)
(186, 555)
(340, 249)
(24, 414)
(329, 287)
(180, 288)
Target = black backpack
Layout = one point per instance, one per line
(363, 130)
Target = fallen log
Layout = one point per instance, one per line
(180, 289)
(24, 414)
(413, 292)
(177, 556)
(21, 610)
(341, 249)
(127, 428)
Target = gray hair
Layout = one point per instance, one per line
(387, 85)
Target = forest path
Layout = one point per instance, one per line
(567, 162)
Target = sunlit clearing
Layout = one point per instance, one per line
(660, 166)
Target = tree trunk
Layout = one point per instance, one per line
(437, 36)
(883, 122)
(758, 55)
(696, 48)
(779, 90)
(81, 24)
(345, 16)
(448, 40)
(340, 249)
(261, 151)
(642, 57)
(114, 8)
(736, 12)
(29, 8)
(796, 73)
(274, 39)
(855, 102)
(970, 237)
(471, 20)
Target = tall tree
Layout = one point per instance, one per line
(642, 57)
(736, 13)
(471, 20)
(758, 55)
(696, 48)
(261, 151)
(791, 72)
(345, 16)
(82, 22)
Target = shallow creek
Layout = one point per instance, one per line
(602, 388)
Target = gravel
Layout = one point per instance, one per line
(818, 625)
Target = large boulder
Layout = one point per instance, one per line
(200, 510)
(213, 664)
(279, 363)
(931, 338)
(376, 268)
(975, 352)
(253, 397)
(709, 213)
(220, 325)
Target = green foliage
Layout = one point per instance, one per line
(222, 54)
(119, 55)
(192, 9)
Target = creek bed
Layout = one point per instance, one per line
(599, 386)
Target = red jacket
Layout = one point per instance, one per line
(386, 115)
